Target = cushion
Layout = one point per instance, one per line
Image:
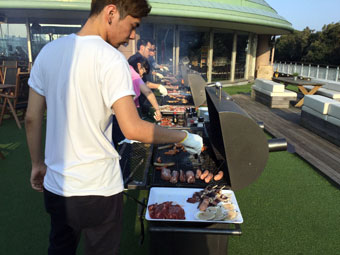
(329, 93)
(332, 86)
(334, 110)
(334, 121)
(313, 112)
(286, 93)
(318, 103)
(269, 85)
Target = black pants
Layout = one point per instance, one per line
(98, 218)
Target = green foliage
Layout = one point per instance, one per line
(310, 46)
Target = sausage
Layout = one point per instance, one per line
(208, 178)
(218, 176)
(165, 174)
(205, 174)
(182, 176)
(198, 173)
(190, 177)
(170, 152)
(174, 177)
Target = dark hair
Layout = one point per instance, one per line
(134, 8)
(144, 42)
(142, 60)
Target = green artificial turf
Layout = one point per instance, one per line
(238, 89)
(290, 209)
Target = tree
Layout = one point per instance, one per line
(310, 46)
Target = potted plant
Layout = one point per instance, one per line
(295, 75)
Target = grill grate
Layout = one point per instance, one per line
(135, 163)
(186, 162)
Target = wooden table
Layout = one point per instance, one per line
(300, 84)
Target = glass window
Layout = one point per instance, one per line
(195, 46)
(146, 30)
(41, 34)
(221, 66)
(241, 56)
(165, 45)
(13, 42)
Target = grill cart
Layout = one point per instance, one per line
(234, 144)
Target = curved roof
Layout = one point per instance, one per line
(251, 12)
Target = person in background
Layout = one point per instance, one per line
(81, 80)
(153, 63)
(139, 68)
(144, 47)
(137, 71)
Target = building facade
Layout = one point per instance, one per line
(224, 40)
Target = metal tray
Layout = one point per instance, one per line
(180, 196)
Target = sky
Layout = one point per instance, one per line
(311, 13)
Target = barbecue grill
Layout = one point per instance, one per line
(237, 145)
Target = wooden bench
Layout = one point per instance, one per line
(321, 115)
(272, 94)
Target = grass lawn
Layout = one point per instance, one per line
(290, 209)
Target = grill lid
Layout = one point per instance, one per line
(236, 138)
(197, 86)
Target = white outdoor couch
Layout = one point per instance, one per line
(330, 89)
(272, 94)
(322, 116)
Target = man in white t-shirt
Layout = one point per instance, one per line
(81, 80)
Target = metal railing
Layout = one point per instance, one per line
(312, 71)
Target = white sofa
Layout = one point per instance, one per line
(322, 116)
(272, 94)
(330, 89)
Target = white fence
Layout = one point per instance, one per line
(312, 71)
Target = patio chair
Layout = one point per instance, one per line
(15, 95)
(4, 64)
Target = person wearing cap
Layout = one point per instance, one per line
(81, 80)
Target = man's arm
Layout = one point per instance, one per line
(152, 85)
(160, 87)
(152, 99)
(134, 128)
(33, 122)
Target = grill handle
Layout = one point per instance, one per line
(277, 144)
(211, 231)
(261, 124)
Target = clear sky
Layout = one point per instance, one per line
(311, 13)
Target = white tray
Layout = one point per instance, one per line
(180, 196)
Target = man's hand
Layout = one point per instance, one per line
(158, 115)
(192, 143)
(161, 76)
(37, 177)
(163, 90)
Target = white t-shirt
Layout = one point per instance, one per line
(81, 77)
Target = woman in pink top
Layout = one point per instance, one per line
(139, 86)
